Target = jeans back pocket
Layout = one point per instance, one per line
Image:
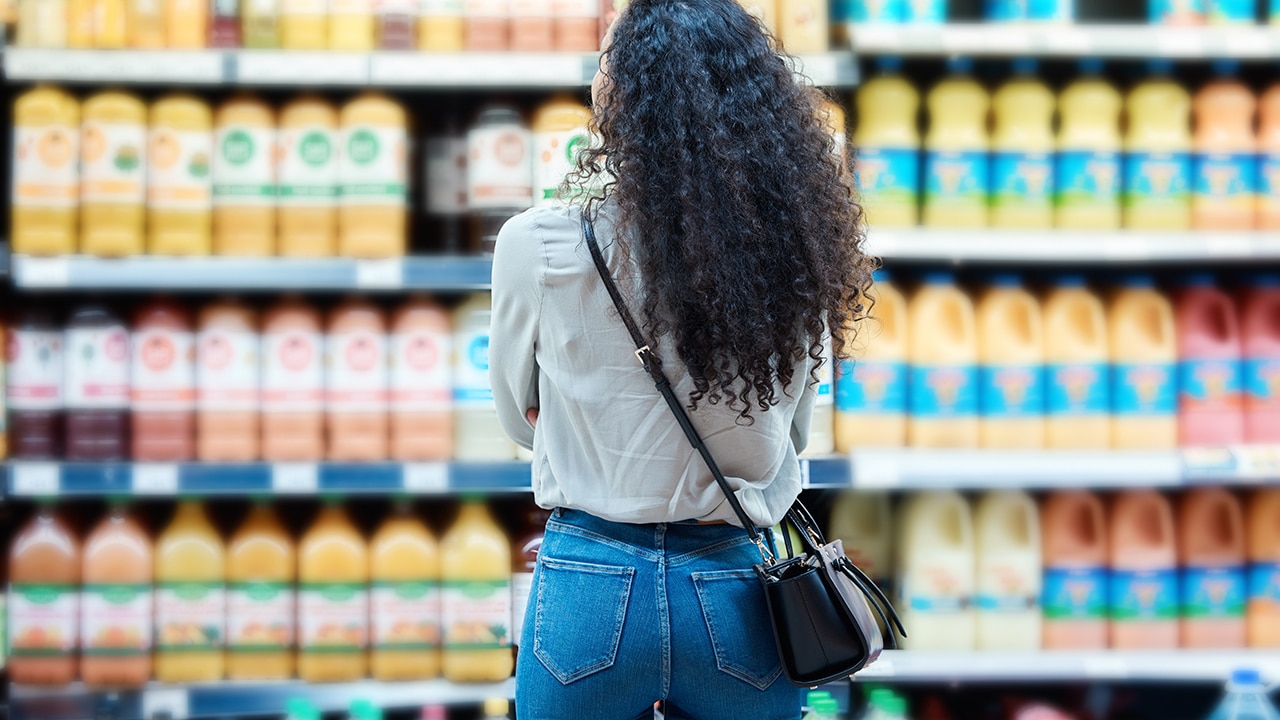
(579, 614)
(733, 606)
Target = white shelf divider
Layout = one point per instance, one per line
(1101, 247)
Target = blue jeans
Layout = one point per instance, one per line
(621, 616)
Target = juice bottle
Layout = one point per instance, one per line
(42, 24)
(191, 598)
(559, 132)
(1269, 157)
(1074, 542)
(116, 601)
(356, 382)
(862, 521)
(1210, 397)
(476, 596)
(260, 24)
(145, 24)
(887, 164)
(80, 23)
(351, 25)
(1260, 326)
(1022, 157)
(395, 24)
(1224, 192)
(1144, 363)
(1011, 347)
(1157, 162)
(162, 383)
(956, 176)
(333, 598)
(110, 24)
(227, 383)
(179, 197)
(486, 25)
(186, 24)
(46, 178)
(96, 386)
(34, 351)
(405, 602)
(292, 383)
(524, 560)
(440, 26)
(803, 26)
(1211, 551)
(477, 433)
(304, 24)
(871, 389)
(1077, 378)
(373, 171)
(421, 382)
(1143, 602)
(577, 25)
(925, 11)
(1087, 166)
(44, 599)
(224, 24)
(766, 11)
(1231, 12)
(822, 424)
(499, 173)
(446, 181)
(936, 568)
(942, 347)
(244, 177)
(1176, 12)
(1009, 575)
(533, 25)
(308, 177)
(868, 11)
(1263, 608)
(261, 570)
(113, 157)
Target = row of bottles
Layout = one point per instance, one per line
(1135, 369)
(1211, 162)
(1161, 12)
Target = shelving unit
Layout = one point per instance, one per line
(1174, 665)
(1096, 248)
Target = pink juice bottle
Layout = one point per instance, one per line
(1260, 326)
(1209, 367)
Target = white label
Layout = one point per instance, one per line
(154, 479)
(447, 176)
(476, 614)
(333, 617)
(485, 8)
(357, 376)
(304, 7)
(372, 165)
(406, 615)
(308, 166)
(178, 169)
(575, 8)
(387, 273)
(115, 619)
(35, 369)
(45, 167)
(499, 167)
(97, 368)
(301, 478)
(432, 477)
(441, 8)
(471, 388)
(530, 9)
(521, 584)
(395, 7)
(260, 616)
(190, 615)
(350, 7)
(42, 619)
(292, 377)
(33, 479)
(114, 157)
(555, 155)
(163, 375)
(243, 168)
(420, 377)
(227, 366)
(826, 377)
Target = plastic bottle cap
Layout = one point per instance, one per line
(1070, 281)
(895, 705)
(1245, 676)
(1198, 280)
(365, 710)
(939, 277)
(472, 498)
(1226, 67)
(1025, 66)
(825, 706)
(958, 65)
(1138, 281)
(816, 696)
(301, 709)
(1005, 279)
(889, 63)
(1160, 66)
(1091, 66)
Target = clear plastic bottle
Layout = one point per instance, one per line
(1246, 699)
(499, 173)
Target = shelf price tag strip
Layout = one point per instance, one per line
(155, 479)
(294, 478)
(425, 477)
(35, 479)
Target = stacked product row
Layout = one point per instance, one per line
(1153, 159)
(1138, 370)
(1162, 12)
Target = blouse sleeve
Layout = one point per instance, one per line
(518, 269)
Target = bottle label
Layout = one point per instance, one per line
(178, 169)
(163, 376)
(1227, 180)
(1144, 594)
(1261, 381)
(227, 365)
(1157, 179)
(441, 8)
(555, 156)
(190, 615)
(1209, 385)
(406, 615)
(1006, 10)
(1232, 11)
(350, 7)
(925, 11)
(1088, 179)
(1012, 391)
(421, 380)
(304, 7)
(575, 9)
(934, 589)
(97, 368)
(35, 369)
(42, 619)
(113, 156)
(471, 388)
(499, 167)
(1022, 180)
(956, 178)
(1051, 10)
(390, 8)
(496, 9)
(1177, 12)
(446, 175)
(115, 619)
(372, 165)
(1269, 172)
(1007, 587)
(357, 378)
(521, 586)
(943, 391)
(887, 175)
(333, 617)
(292, 377)
(1144, 389)
(1078, 389)
(1213, 592)
(243, 168)
(892, 11)
(476, 614)
(308, 166)
(45, 167)
(825, 389)
(260, 617)
(1078, 593)
(1264, 585)
(871, 386)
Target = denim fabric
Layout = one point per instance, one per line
(621, 616)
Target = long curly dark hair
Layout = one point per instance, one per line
(747, 233)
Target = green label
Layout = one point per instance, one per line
(237, 147)
(362, 147)
(315, 149)
(42, 593)
(260, 591)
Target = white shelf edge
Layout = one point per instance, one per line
(1120, 246)
(1212, 666)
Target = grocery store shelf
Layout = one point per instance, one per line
(1118, 41)
(1212, 666)
(1125, 246)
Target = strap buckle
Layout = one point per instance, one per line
(641, 352)
(765, 553)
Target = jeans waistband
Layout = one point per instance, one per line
(651, 539)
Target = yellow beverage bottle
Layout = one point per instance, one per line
(1144, 357)
(559, 131)
(261, 570)
(887, 164)
(1157, 163)
(46, 178)
(260, 24)
(440, 26)
(405, 601)
(871, 398)
(333, 598)
(110, 24)
(1077, 382)
(244, 178)
(956, 178)
(1022, 151)
(179, 202)
(766, 11)
(351, 25)
(942, 347)
(42, 23)
(1088, 163)
(304, 24)
(308, 177)
(145, 22)
(80, 23)
(190, 602)
(186, 24)
(113, 159)
(373, 172)
(803, 26)
(1011, 375)
(476, 597)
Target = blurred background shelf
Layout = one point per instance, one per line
(1051, 246)
(1172, 665)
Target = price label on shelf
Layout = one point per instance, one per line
(35, 479)
(881, 668)
(876, 471)
(172, 703)
(1259, 462)
(425, 477)
(380, 274)
(294, 478)
(155, 479)
(1103, 665)
(302, 68)
(1180, 43)
(41, 271)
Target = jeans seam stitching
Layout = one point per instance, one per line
(567, 529)
(627, 574)
(760, 682)
(713, 548)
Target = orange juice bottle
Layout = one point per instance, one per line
(1022, 141)
(421, 382)
(487, 25)
(956, 165)
(405, 600)
(1211, 551)
(1264, 569)
(887, 163)
(1157, 145)
(476, 596)
(1143, 603)
(356, 382)
(1224, 194)
(1269, 159)
(145, 23)
(191, 600)
(162, 383)
(803, 26)
(46, 178)
(261, 570)
(559, 131)
(1009, 573)
(113, 160)
(871, 398)
(1074, 542)
(1087, 173)
(110, 24)
(304, 24)
(1144, 365)
(116, 602)
(373, 172)
(179, 197)
(1011, 376)
(1077, 381)
(42, 24)
(333, 598)
(292, 383)
(440, 25)
(44, 596)
(186, 24)
(308, 177)
(943, 351)
(351, 25)
(244, 177)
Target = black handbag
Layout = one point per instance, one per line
(820, 603)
